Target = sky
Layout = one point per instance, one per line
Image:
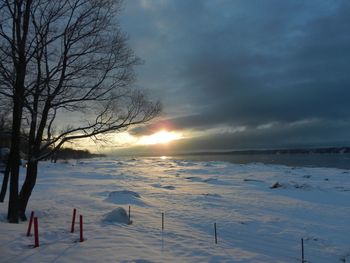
(237, 74)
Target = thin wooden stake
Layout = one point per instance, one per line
(30, 223)
(36, 232)
(302, 251)
(81, 228)
(129, 213)
(73, 220)
(216, 238)
(162, 221)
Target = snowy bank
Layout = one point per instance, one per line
(255, 221)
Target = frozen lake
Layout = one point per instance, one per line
(341, 161)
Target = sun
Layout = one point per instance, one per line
(161, 137)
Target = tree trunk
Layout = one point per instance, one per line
(15, 161)
(5, 181)
(15, 158)
(27, 188)
(20, 28)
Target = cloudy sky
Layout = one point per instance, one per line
(238, 74)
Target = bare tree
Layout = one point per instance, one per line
(5, 135)
(14, 28)
(78, 65)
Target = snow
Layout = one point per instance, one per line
(118, 215)
(255, 223)
(125, 197)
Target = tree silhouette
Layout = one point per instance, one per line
(79, 66)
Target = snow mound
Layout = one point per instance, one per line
(277, 185)
(301, 186)
(205, 180)
(212, 181)
(252, 180)
(212, 195)
(125, 197)
(168, 187)
(117, 215)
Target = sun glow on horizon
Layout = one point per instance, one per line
(161, 137)
(125, 140)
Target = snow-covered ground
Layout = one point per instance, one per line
(255, 223)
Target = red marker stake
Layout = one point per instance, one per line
(81, 228)
(30, 223)
(216, 237)
(36, 232)
(73, 220)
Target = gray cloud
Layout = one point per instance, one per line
(246, 63)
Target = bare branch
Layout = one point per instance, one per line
(78, 63)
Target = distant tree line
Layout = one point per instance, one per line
(69, 153)
(61, 153)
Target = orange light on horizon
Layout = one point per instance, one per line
(161, 137)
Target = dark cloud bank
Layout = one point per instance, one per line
(278, 70)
